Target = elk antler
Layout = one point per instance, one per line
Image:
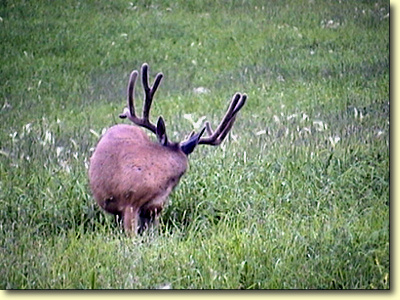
(216, 137)
(129, 112)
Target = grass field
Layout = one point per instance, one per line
(297, 197)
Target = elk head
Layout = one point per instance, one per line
(130, 175)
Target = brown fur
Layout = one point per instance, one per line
(132, 176)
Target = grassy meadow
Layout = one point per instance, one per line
(297, 197)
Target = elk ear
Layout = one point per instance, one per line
(188, 146)
(160, 132)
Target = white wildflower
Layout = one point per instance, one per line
(334, 140)
(280, 78)
(27, 128)
(261, 132)
(59, 150)
(304, 117)
(201, 90)
(319, 125)
(379, 133)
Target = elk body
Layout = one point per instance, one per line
(130, 175)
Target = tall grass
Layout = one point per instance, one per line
(296, 198)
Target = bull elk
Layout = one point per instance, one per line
(130, 175)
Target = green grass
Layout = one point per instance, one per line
(296, 198)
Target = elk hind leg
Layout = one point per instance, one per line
(130, 220)
(149, 216)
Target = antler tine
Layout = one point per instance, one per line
(129, 112)
(149, 91)
(215, 138)
(131, 92)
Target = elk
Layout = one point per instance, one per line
(132, 176)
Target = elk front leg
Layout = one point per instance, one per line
(130, 219)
